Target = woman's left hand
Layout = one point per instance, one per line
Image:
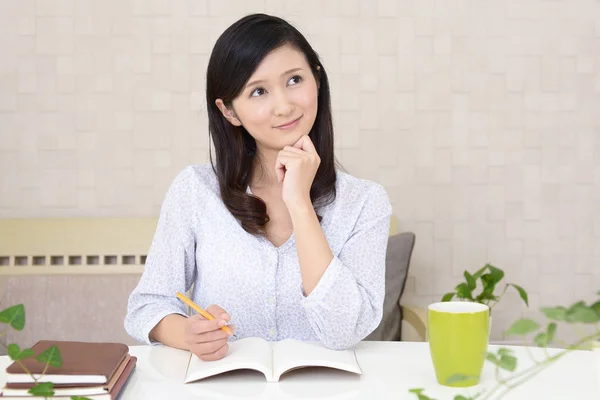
(296, 167)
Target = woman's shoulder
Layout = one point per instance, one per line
(349, 186)
(197, 178)
(353, 191)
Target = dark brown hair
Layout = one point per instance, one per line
(235, 56)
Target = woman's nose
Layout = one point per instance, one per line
(283, 106)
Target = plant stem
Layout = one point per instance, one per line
(537, 368)
(19, 361)
(45, 368)
(526, 374)
(499, 377)
(530, 354)
(27, 371)
(3, 332)
(497, 373)
(499, 297)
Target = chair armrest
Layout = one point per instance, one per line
(417, 318)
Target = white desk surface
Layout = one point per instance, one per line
(390, 369)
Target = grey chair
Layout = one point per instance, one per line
(399, 252)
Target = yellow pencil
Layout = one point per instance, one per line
(202, 312)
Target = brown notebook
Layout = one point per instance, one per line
(82, 362)
(70, 389)
(111, 395)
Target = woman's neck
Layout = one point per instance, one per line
(263, 172)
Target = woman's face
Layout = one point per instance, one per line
(278, 105)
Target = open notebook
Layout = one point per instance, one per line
(273, 359)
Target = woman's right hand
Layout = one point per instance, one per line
(205, 338)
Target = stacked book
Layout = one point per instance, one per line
(98, 371)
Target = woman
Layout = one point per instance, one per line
(270, 235)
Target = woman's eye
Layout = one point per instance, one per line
(294, 80)
(257, 92)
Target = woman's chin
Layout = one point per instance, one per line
(291, 138)
(283, 140)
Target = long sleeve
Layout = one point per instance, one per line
(170, 264)
(347, 303)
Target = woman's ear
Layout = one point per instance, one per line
(318, 77)
(228, 113)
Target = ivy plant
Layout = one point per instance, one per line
(14, 317)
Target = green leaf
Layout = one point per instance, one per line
(15, 316)
(596, 307)
(522, 293)
(448, 296)
(479, 272)
(491, 357)
(461, 397)
(470, 281)
(504, 352)
(555, 313)
(479, 298)
(504, 359)
(576, 305)
(522, 327)
(417, 391)
(581, 313)
(541, 339)
(50, 356)
(497, 274)
(463, 291)
(80, 398)
(42, 389)
(489, 285)
(551, 331)
(486, 295)
(508, 363)
(544, 339)
(16, 353)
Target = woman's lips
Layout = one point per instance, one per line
(289, 125)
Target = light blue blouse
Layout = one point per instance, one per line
(198, 241)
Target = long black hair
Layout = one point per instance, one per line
(235, 56)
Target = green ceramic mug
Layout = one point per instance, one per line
(458, 339)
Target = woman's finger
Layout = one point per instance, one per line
(211, 336)
(217, 355)
(304, 143)
(204, 325)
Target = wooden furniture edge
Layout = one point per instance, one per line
(417, 318)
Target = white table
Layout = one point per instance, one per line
(390, 369)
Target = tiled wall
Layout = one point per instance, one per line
(481, 118)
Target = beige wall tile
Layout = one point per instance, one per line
(480, 119)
